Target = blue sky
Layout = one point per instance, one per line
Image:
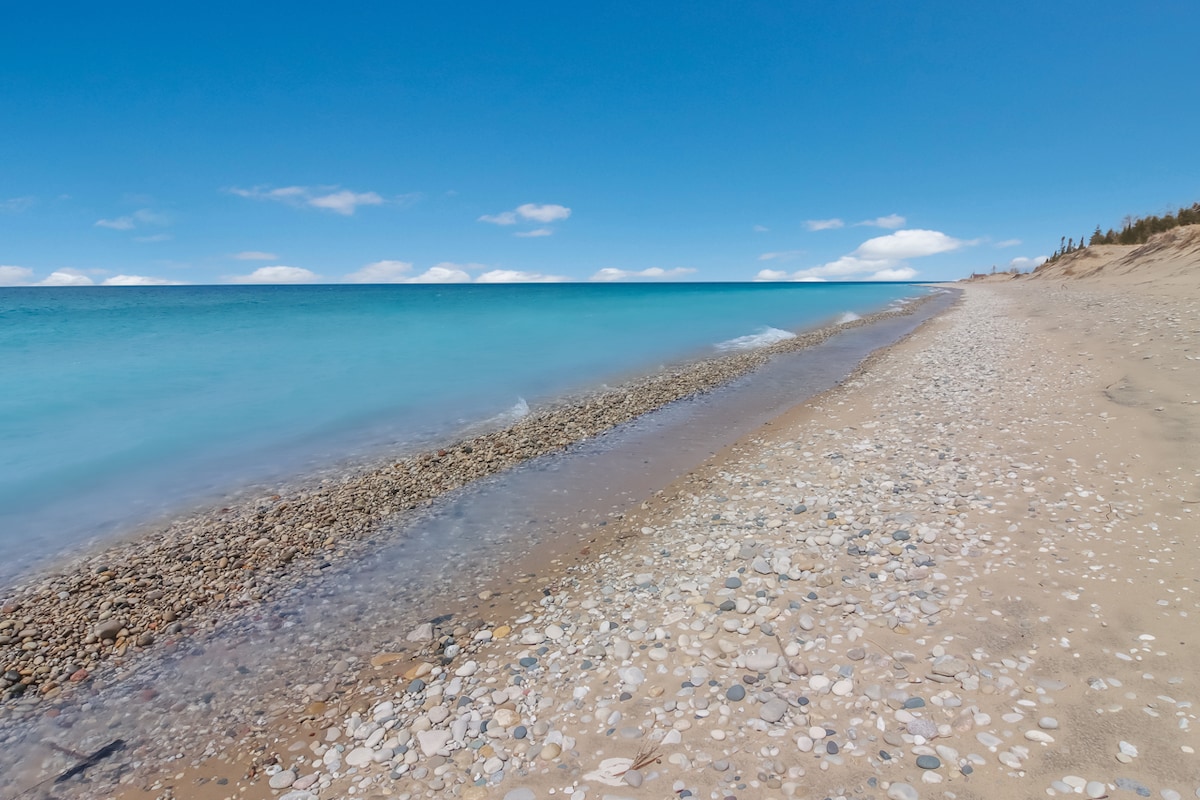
(222, 142)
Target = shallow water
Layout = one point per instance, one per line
(118, 405)
(419, 568)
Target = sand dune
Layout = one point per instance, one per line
(1171, 256)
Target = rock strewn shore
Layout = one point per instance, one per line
(59, 630)
(963, 574)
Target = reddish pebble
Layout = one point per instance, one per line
(79, 675)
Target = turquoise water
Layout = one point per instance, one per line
(120, 403)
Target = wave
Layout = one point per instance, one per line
(849, 316)
(764, 337)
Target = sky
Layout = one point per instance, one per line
(704, 141)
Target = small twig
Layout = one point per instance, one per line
(115, 746)
(646, 755)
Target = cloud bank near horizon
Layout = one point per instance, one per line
(881, 258)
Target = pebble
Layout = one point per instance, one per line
(773, 710)
(282, 779)
(648, 659)
(1130, 785)
(359, 756)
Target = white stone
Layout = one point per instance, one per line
(359, 756)
(282, 780)
(433, 742)
(902, 791)
(421, 633)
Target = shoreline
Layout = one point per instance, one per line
(956, 608)
(318, 525)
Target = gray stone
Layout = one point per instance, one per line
(421, 633)
(1130, 785)
(922, 727)
(773, 710)
(282, 780)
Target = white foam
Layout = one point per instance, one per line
(849, 316)
(510, 416)
(764, 337)
(520, 409)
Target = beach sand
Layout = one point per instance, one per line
(969, 571)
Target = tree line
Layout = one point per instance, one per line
(1134, 230)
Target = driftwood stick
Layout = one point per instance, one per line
(115, 746)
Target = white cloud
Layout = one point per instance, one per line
(845, 267)
(1008, 243)
(442, 273)
(516, 276)
(533, 234)
(158, 237)
(294, 195)
(548, 212)
(382, 272)
(503, 218)
(276, 274)
(255, 255)
(880, 258)
(139, 218)
(891, 222)
(609, 274)
(1024, 263)
(783, 255)
(545, 213)
(908, 244)
(346, 202)
(117, 224)
(823, 224)
(16, 205)
(327, 198)
(66, 277)
(15, 276)
(761, 229)
(138, 280)
(772, 275)
(894, 274)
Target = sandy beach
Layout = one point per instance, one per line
(966, 572)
